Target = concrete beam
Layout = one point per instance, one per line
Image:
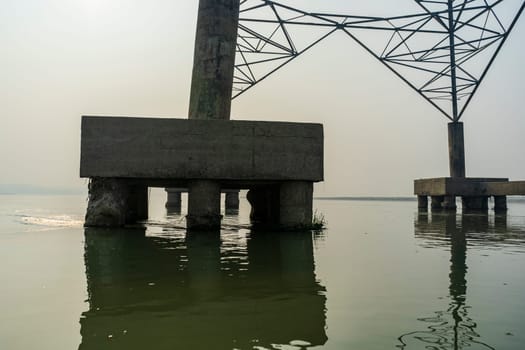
(511, 188)
(144, 148)
(447, 186)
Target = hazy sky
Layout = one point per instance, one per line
(65, 58)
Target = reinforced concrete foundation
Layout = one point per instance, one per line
(474, 192)
(205, 153)
(122, 160)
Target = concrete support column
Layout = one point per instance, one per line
(500, 203)
(174, 198)
(214, 59)
(449, 203)
(475, 202)
(437, 202)
(456, 149)
(264, 203)
(231, 199)
(204, 205)
(295, 204)
(107, 203)
(137, 203)
(422, 203)
(211, 92)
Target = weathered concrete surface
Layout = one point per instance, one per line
(295, 204)
(231, 199)
(475, 202)
(115, 202)
(447, 186)
(107, 205)
(174, 198)
(437, 202)
(422, 202)
(214, 59)
(449, 203)
(264, 202)
(137, 203)
(474, 192)
(500, 203)
(204, 205)
(141, 148)
(456, 149)
(511, 188)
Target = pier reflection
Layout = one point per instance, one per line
(178, 290)
(453, 328)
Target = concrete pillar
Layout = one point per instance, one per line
(174, 198)
(211, 92)
(475, 202)
(500, 203)
(456, 149)
(214, 59)
(107, 203)
(436, 202)
(264, 201)
(204, 205)
(231, 199)
(449, 203)
(422, 203)
(295, 204)
(137, 203)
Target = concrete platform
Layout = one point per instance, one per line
(189, 149)
(474, 192)
(123, 156)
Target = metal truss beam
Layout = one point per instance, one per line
(443, 52)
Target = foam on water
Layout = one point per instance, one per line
(51, 220)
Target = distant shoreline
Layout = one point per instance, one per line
(518, 199)
(364, 198)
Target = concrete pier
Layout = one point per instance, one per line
(173, 153)
(422, 203)
(295, 204)
(205, 153)
(204, 205)
(264, 201)
(456, 149)
(500, 203)
(475, 203)
(114, 203)
(474, 192)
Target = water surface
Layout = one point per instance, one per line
(381, 276)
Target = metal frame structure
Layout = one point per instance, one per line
(442, 52)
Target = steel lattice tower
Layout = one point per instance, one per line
(442, 52)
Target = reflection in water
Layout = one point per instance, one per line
(174, 290)
(453, 328)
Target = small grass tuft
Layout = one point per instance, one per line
(318, 221)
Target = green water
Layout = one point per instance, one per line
(381, 276)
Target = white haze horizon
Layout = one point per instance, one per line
(64, 59)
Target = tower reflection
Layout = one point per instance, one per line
(180, 290)
(451, 328)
